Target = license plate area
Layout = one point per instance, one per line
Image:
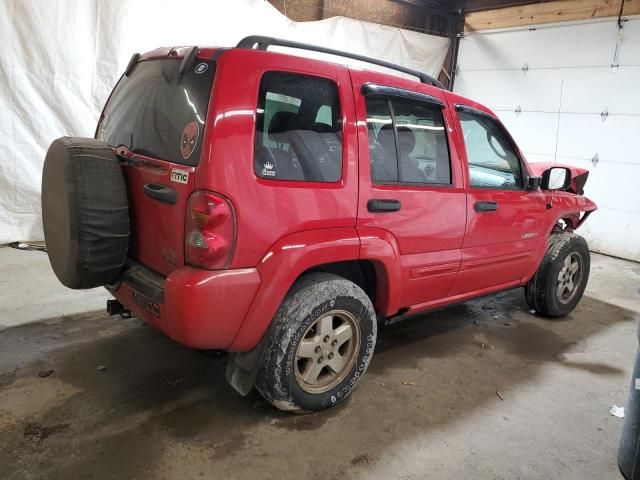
(146, 303)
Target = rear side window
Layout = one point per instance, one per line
(298, 129)
(382, 144)
(407, 141)
(158, 113)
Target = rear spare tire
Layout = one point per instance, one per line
(85, 212)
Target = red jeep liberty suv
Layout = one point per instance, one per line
(277, 207)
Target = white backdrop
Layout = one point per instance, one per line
(567, 83)
(59, 59)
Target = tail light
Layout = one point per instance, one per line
(210, 231)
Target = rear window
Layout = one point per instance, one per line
(157, 113)
(298, 129)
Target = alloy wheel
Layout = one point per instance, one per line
(569, 277)
(327, 351)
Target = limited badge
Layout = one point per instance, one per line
(189, 139)
(201, 68)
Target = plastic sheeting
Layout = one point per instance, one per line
(59, 59)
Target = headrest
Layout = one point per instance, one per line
(406, 140)
(281, 122)
(385, 136)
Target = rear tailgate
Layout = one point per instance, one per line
(155, 119)
(158, 193)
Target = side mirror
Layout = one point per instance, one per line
(533, 183)
(556, 178)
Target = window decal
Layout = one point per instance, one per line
(189, 139)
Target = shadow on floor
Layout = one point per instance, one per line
(156, 405)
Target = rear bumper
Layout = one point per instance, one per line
(197, 308)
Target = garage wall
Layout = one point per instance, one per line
(550, 85)
(59, 59)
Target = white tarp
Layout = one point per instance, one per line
(59, 59)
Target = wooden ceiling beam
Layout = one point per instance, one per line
(548, 12)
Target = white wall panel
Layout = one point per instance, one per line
(591, 90)
(613, 232)
(616, 140)
(624, 197)
(537, 158)
(534, 132)
(549, 46)
(577, 56)
(502, 89)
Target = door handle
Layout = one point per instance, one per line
(161, 193)
(383, 205)
(485, 206)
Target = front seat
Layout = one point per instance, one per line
(382, 156)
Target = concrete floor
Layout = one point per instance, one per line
(482, 390)
(31, 291)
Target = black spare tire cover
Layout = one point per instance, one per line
(85, 212)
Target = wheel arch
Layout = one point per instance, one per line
(332, 250)
(572, 209)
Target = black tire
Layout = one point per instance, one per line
(311, 299)
(542, 291)
(85, 212)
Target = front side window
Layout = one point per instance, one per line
(407, 141)
(298, 129)
(493, 161)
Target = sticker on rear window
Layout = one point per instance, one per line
(180, 176)
(189, 139)
(201, 68)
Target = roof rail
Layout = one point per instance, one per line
(262, 43)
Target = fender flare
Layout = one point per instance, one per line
(283, 263)
(294, 254)
(381, 248)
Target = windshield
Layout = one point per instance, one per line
(158, 113)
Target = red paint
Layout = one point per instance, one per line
(435, 251)
(201, 309)
(158, 242)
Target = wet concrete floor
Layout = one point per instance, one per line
(481, 390)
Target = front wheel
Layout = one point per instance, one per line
(559, 283)
(319, 345)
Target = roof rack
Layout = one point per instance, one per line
(262, 43)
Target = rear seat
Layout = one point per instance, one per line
(313, 153)
(319, 154)
(279, 160)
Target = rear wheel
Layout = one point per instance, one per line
(320, 344)
(559, 283)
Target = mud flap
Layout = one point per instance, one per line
(243, 367)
